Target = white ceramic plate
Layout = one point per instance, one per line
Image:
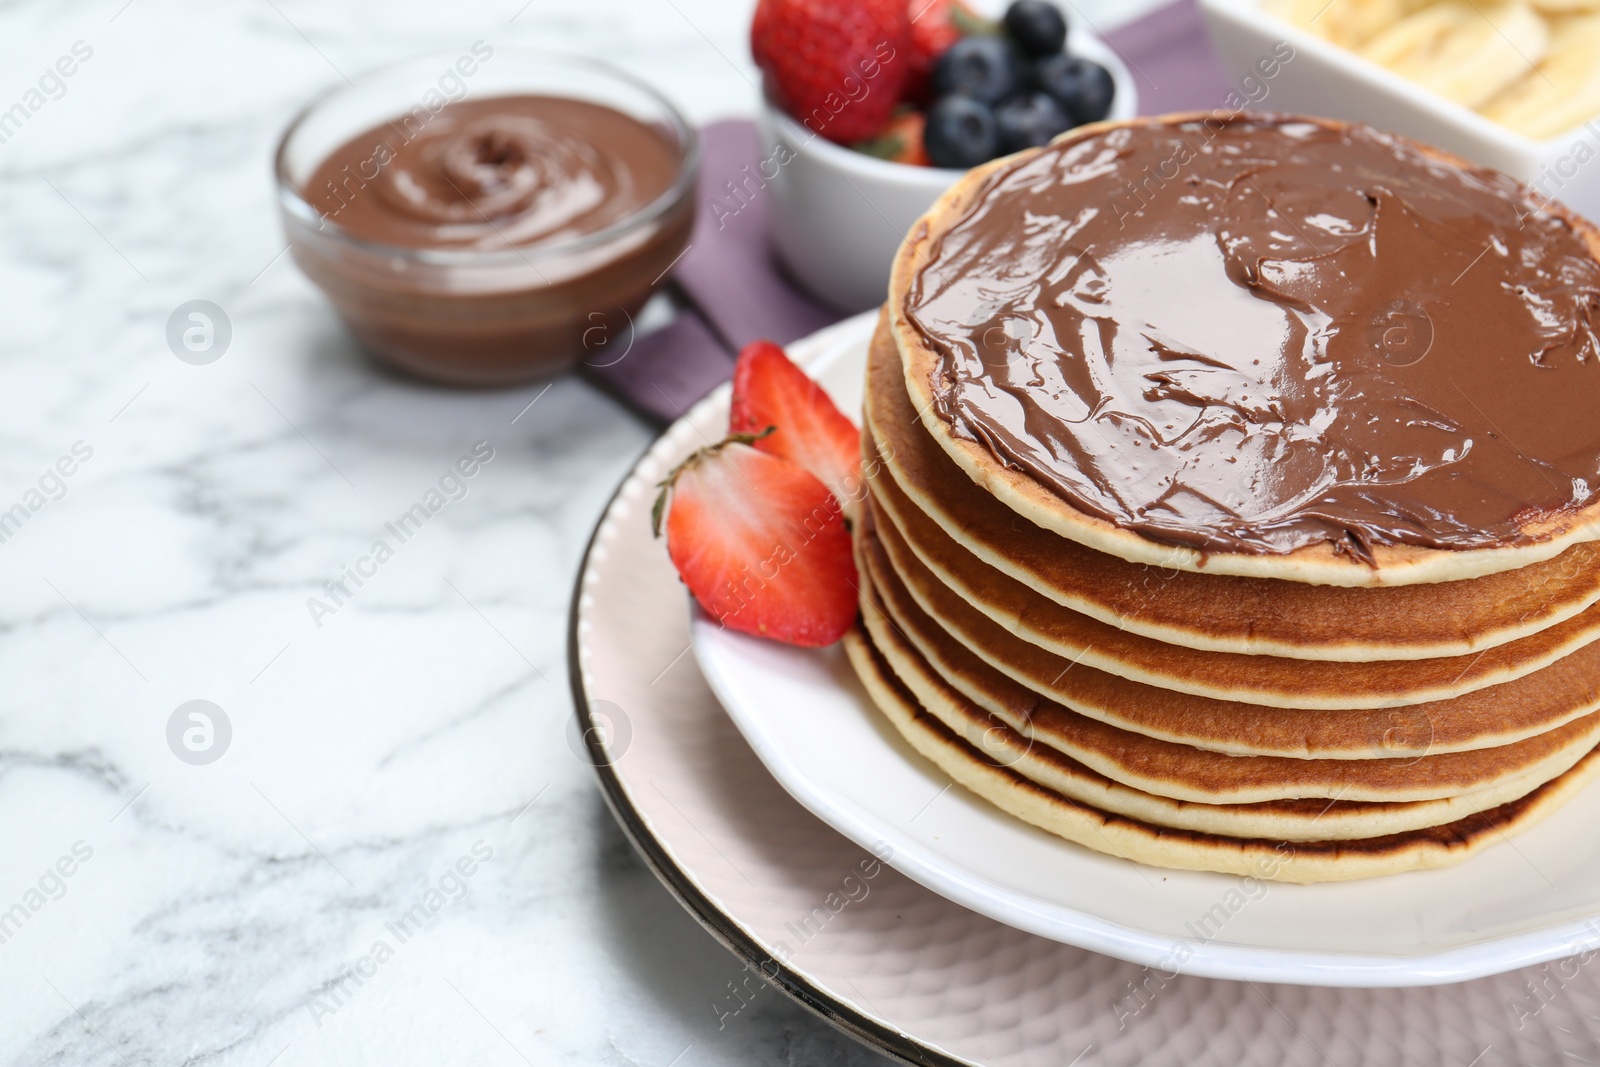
(1519, 902)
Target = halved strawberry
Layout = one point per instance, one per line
(769, 391)
(761, 544)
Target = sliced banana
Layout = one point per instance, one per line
(1462, 51)
(1564, 91)
(1565, 7)
(1421, 34)
(1347, 23)
(1530, 65)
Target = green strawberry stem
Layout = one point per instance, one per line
(659, 509)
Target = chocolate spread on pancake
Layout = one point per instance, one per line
(1265, 334)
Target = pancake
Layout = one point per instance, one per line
(1185, 539)
(1183, 772)
(1540, 532)
(1485, 718)
(928, 493)
(1142, 842)
(989, 610)
(1310, 819)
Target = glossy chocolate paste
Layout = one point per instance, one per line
(1265, 334)
(541, 210)
(495, 174)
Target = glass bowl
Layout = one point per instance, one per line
(494, 315)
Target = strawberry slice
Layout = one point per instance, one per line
(761, 544)
(770, 392)
(900, 141)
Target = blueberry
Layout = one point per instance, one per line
(1029, 120)
(987, 69)
(1037, 26)
(961, 132)
(1084, 88)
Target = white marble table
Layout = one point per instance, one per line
(163, 912)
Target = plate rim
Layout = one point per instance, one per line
(839, 1014)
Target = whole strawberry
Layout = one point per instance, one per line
(838, 67)
(935, 26)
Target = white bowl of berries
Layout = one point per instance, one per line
(875, 107)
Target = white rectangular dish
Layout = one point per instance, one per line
(1325, 79)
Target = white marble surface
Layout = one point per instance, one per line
(220, 905)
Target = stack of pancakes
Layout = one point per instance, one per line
(1322, 713)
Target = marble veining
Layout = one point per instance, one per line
(231, 912)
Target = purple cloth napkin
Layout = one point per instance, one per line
(1169, 54)
(734, 292)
